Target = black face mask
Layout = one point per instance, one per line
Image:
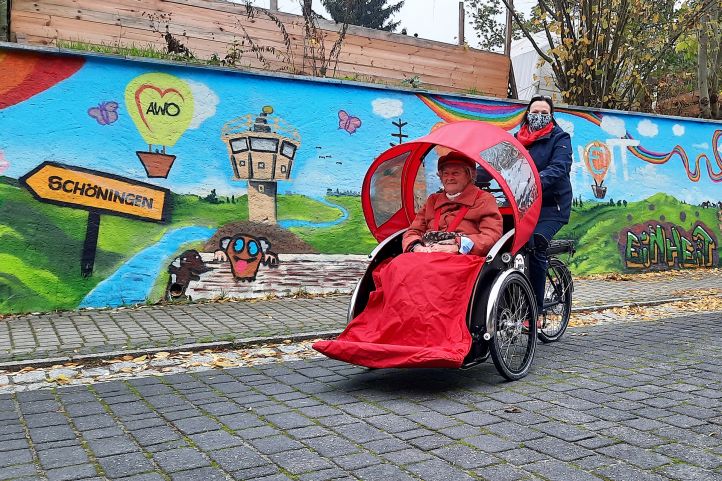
(538, 121)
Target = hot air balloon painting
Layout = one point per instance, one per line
(25, 74)
(161, 106)
(597, 158)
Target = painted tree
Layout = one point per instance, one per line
(606, 53)
(365, 13)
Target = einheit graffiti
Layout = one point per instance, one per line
(662, 245)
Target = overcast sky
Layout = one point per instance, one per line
(431, 19)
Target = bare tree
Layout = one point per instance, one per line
(604, 52)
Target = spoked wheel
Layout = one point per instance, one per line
(557, 301)
(514, 315)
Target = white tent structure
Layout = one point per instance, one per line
(531, 78)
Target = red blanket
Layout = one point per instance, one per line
(416, 317)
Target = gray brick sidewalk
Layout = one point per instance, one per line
(626, 402)
(97, 331)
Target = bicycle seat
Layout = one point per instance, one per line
(561, 246)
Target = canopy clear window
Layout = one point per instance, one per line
(517, 172)
(385, 188)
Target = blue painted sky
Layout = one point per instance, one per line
(54, 125)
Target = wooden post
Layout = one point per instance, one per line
(507, 44)
(274, 5)
(4, 20)
(462, 21)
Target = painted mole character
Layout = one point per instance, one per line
(185, 268)
(245, 254)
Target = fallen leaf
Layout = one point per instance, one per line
(140, 359)
(127, 357)
(61, 379)
(223, 363)
(512, 409)
(161, 355)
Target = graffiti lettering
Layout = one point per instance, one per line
(663, 245)
(92, 190)
(168, 108)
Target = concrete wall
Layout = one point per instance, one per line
(117, 186)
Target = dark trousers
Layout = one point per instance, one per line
(543, 233)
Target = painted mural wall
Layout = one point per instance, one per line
(125, 182)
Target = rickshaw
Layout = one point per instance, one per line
(501, 310)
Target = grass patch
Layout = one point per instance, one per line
(349, 237)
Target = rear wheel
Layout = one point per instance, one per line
(557, 301)
(514, 315)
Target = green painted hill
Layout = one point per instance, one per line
(41, 244)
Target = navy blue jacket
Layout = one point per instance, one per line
(552, 155)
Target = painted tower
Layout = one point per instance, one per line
(261, 151)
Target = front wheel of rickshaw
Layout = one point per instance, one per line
(514, 339)
(557, 301)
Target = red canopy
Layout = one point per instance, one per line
(393, 188)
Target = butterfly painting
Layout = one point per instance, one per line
(105, 113)
(347, 122)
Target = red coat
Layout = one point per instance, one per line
(482, 223)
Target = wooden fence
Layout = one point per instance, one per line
(213, 27)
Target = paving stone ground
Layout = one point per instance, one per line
(97, 331)
(634, 401)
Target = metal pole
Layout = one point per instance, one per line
(462, 21)
(507, 44)
(274, 5)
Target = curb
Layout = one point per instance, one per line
(246, 342)
(240, 343)
(655, 302)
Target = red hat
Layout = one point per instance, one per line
(457, 158)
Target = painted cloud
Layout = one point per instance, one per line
(205, 101)
(566, 126)
(647, 128)
(614, 126)
(678, 130)
(388, 108)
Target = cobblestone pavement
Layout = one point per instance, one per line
(635, 401)
(93, 331)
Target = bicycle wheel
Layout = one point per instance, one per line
(557, 301)
(514, 314)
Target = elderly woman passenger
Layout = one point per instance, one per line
(467, 215)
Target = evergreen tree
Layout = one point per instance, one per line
(365, 13)
(212, 197)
